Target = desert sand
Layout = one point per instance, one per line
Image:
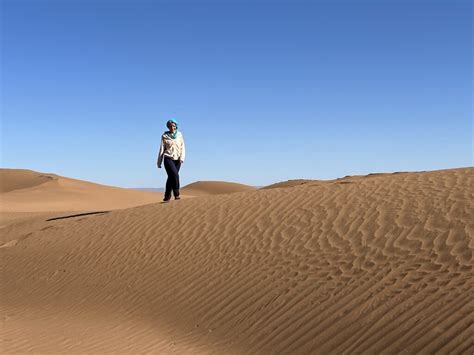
(30, 191)
(290, 183)
(365, 264)
(206, 188)
(25, 192)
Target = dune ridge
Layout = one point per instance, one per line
(289, 183)
(26, 191)
(377, 264)
(204, 188)
(17, 179)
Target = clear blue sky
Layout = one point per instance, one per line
(264, 91)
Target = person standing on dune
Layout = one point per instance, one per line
(172, 154)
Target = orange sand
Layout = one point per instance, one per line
(374, 264)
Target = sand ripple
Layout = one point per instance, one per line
(374, 264)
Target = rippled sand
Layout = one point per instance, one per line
(366, 264)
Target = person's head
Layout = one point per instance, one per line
(172, 125)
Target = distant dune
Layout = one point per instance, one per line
(26, 191)
(204, 188)
(360, 265)
(343, 180)
(18, 179)
(289, 183)
(30, 191)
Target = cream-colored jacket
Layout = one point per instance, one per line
(173, 148)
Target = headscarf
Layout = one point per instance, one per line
(168, 133)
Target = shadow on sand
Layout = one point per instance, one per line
(77, 215)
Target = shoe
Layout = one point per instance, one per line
(177, 198)
(166, 200)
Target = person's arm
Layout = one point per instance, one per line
(183, 151)
(160, 154)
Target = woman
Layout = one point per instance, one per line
(172, 154)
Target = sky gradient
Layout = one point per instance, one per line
(264, 91)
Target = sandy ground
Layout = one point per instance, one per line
(365, 264)
(206, 188)
(26, 191)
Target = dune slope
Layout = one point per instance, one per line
(204, 188)
(380, 264)
(17, 179)
(29, 191)
(289, 183)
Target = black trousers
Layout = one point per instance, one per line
(172, 183)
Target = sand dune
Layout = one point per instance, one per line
(17, 179)
(376, 264)
(204, 188)
(24, 191)
(290, 183)
(30, 191)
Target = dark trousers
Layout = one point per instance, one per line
(172, 183)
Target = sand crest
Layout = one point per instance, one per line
(290, 183)
(204, 188)
(25, 191)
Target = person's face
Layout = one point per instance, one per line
(172, 127)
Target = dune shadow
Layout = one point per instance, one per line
(77, 215)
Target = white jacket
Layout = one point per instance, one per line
(173, 148)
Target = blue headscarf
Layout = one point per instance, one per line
(172, 135)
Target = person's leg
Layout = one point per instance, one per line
(177, 165)
(168, 162)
